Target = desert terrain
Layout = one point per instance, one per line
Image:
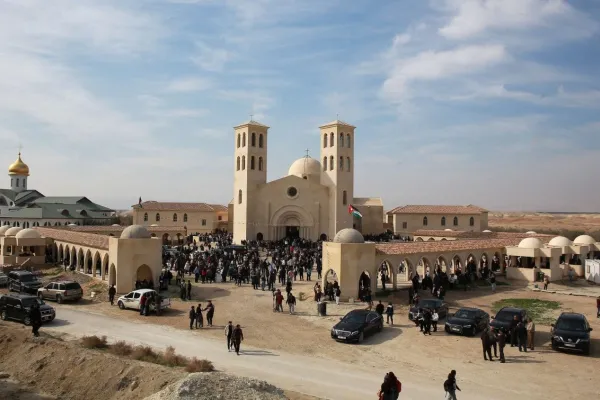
(569, 225)
(421, 361)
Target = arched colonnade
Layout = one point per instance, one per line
(86, 259)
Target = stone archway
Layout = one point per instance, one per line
(179, 239)
(293, 221)
(431, 239)
(424, 266)
(89, 263)
(323, 237)
(331, 276)
(112, 275)
(80, 260)
(73, 257)
(443, 263)
(419, 239)
(384, 270)
(405, 270)
(61, 255)
(259, 236)
(497, 262)
(456, 264)
(97, 265)
(105, 267)
(166, 239)
(144, 273)
(364, 284)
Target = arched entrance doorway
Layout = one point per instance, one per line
(97, 264)
(384, 276)
(442, 264)
(166, 239)
(424, 266)
(144, 273)
(259, 236)
(105, 267)
(364, 285)
(112, 275)
(323, 237)
(291, 221)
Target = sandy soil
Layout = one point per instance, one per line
(541, 373)
(589, 223)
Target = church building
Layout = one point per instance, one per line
(314, 201)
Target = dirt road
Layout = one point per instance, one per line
(326, 379)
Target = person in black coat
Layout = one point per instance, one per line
(486, 344)
(35, 318)
(522, 336)
(411, 294)
(427, 321)
(111, 294)
(513, 331)
(501, 337)
(192, 315)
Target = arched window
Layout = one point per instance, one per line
(238, 163)
(260, 163)
(348, 141)
(325, 159)
(239, 140)
(253, 140)
(260, 141)
(145, 217)
(331, 139)
(184, 217)
(348, 163)
(157, 218)
(244, 139)
(331, 163)
(472, 221)
(324, 142)
(424, 221)
(341, 163)
(174, 217)
(443, 221)
(344, 197)
(240, 196)
(252, 162)
(341, 140)
(455, 221)
(243, 163)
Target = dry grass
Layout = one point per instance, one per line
(167, 358)
(196, 365)
(94, 342)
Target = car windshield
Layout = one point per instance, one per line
(506, 316)
(568, 324)
(428, 304)
(354, 317)
(72, 286)
(27, 278)
(468, 314)
(28, 302)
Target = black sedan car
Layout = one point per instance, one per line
(356, 325)
(433, 304)
(504, 317)
(467, 321)
(571, 332)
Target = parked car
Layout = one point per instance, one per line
(23, 281)
(437, 304)
(467, 321)
(61, 291)
(17, 306)
(505, 316)
(356, 325)
(571, 331)
(132, 300)
(3, 279)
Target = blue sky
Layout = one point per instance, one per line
(490, 102)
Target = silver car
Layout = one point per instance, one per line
(61, 291)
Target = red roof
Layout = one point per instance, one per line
(425, 209)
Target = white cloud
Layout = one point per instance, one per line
(474, 17)
(189, 84)
(209, 58)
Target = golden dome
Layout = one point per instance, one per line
(18, 167)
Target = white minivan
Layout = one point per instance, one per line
(132, 300)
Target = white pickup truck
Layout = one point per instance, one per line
(132, 300)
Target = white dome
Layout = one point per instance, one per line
(583, 239)
(12, 231)
(531, 233)
(531, 243)
(305, 167)
(560, 241)
(135, 232)
(487, 231)
(28, 234)
(3, 229)
(349, 235)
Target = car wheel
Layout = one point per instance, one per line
(3, 315)
(27, 321)
(361, 337)
(586, 351)
(121, 305)
(447, 329)
(59, 299)
(554, 346)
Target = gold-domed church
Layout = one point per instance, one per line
(24, 207)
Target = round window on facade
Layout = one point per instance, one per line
(292, 191)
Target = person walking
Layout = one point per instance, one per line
(450, 386)
(199, 317)
(427, 321)
(493, 282)
(229, 334)
(513, 331)
(111, 294)
(522, 336)
(238, 337)
(338, 293)
(210, 312)
(35, 318)
(389, 312)
(501, 344)
(485, 343)
(530, 333)
(379, 308)
(189, 290)
(390, 388)
(192, 316)
(434, 319)
(143, 301)
(291, 302)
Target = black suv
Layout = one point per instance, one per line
(17, 306)
(506, 315)
(571, 331)
(23, 281)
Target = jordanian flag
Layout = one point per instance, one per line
(354, 211)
